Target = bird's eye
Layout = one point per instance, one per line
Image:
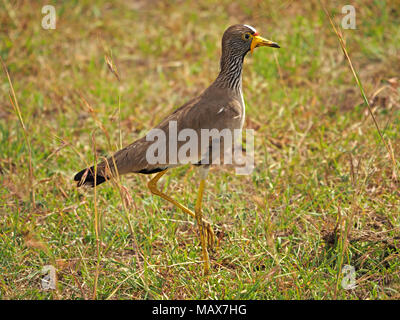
(246, 36)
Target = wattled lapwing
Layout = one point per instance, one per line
(220, 107)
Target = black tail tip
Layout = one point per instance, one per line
(86, 177)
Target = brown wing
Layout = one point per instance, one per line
(215, 108)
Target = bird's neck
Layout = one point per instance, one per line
(230, 75)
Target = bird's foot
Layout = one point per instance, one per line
(209, 234)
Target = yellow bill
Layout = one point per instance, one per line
(259, 41)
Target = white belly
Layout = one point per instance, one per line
(243, 110)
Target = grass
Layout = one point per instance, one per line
(324, 192)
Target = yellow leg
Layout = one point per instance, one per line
(200, 224)
(152, 184)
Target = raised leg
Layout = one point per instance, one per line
(206, 231)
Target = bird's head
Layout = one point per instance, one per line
(241, 38)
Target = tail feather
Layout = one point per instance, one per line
(86, 177)
(126, 160)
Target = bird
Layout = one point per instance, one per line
(220, 106)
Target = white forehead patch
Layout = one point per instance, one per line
(250, 27)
